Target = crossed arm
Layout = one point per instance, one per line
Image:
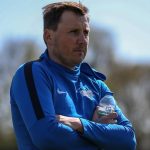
(75, 123)
(104, 131)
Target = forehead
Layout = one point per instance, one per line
(70, 19)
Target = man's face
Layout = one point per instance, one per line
(69, 42)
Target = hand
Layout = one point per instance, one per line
(107, 119)
(72, 122)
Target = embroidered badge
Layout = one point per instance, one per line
(88, 93)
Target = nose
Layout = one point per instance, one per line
(83, 39)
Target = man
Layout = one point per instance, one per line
(54, 100)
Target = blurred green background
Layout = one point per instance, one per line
(119, 48)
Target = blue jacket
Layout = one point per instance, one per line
(41, 89)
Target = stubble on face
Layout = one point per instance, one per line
(70, 40)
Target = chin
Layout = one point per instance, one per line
(79, 61)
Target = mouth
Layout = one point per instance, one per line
(80, 50)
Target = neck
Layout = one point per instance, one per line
(56, 60)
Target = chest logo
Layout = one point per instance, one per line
(88, 93)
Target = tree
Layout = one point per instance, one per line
(14, 54)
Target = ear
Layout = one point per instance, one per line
(48, 35)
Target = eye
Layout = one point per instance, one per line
(86, 32)
(75, 32)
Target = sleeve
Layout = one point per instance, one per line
(33, 97)
(120, 136)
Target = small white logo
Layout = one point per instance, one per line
(61, 92)
(87, 93)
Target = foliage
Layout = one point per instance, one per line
(130, 83)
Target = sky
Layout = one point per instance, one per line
(128, 20)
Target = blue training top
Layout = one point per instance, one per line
(41, 89)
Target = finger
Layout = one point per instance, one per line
(58, 117)
(112, 121)
(106, 121)
(111, 116)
